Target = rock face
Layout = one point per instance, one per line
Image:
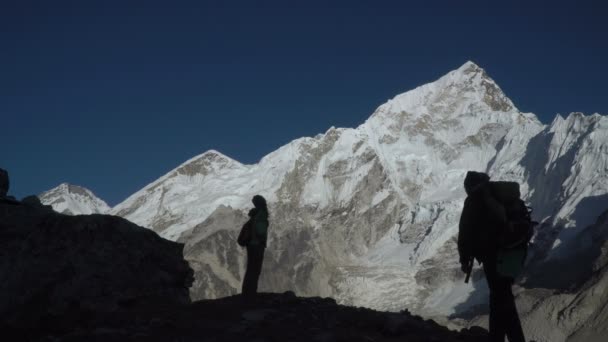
(52, 263)
(74, 200)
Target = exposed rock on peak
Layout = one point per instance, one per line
(470, 67)
(74, 200)
(466, 90)
(208, 162)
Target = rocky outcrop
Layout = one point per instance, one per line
(52, 263)
(34, 202)
(271, 317)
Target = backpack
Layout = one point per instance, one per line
(514, 238)
(519, 229)
(245, 234)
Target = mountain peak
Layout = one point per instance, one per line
(212, 155)
(74, 189)
(73, 200)
(465, 91)
(207, 162)
(470, 67)
(212, 152)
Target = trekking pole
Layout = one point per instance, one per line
(469, 270)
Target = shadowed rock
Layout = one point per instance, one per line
(271, 317)
(52, 263)
(34, 202)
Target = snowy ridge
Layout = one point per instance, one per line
(404, 166)
(74, 200)
(188, 194)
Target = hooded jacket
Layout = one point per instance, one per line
(260, 228)
(481, 219)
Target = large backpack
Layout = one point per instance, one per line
(519, 229)
(514, 237)
(245, 234)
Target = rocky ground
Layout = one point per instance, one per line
(271, 317)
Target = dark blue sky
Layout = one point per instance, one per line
(112, 94)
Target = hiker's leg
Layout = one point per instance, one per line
(512, 323)
(247, 279)
(496, 320)
(256, 267)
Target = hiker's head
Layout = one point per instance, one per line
(259, 202)
(474, 180)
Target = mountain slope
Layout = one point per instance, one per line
(369, 215)
(74, 200)
(383, 196)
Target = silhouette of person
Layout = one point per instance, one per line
(256, 246)
(481, 220)
(4, 183)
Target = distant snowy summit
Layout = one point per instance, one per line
(74, 200)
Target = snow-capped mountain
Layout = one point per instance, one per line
(369, 215)
(74, 200)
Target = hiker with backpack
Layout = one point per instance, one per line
(253, 236)
(495, 229)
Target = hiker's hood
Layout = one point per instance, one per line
(474, 181)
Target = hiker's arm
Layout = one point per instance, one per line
(465, 233)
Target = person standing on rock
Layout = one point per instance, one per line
(4, 183)
(256, 246)
(483, 218)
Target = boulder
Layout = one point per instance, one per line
(52, 263)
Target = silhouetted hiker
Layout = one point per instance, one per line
(495, 228)
(256, 245)
(4, 183)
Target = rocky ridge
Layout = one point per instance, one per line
(52, 263)
(272, 317)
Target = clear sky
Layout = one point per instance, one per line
(111, 95)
